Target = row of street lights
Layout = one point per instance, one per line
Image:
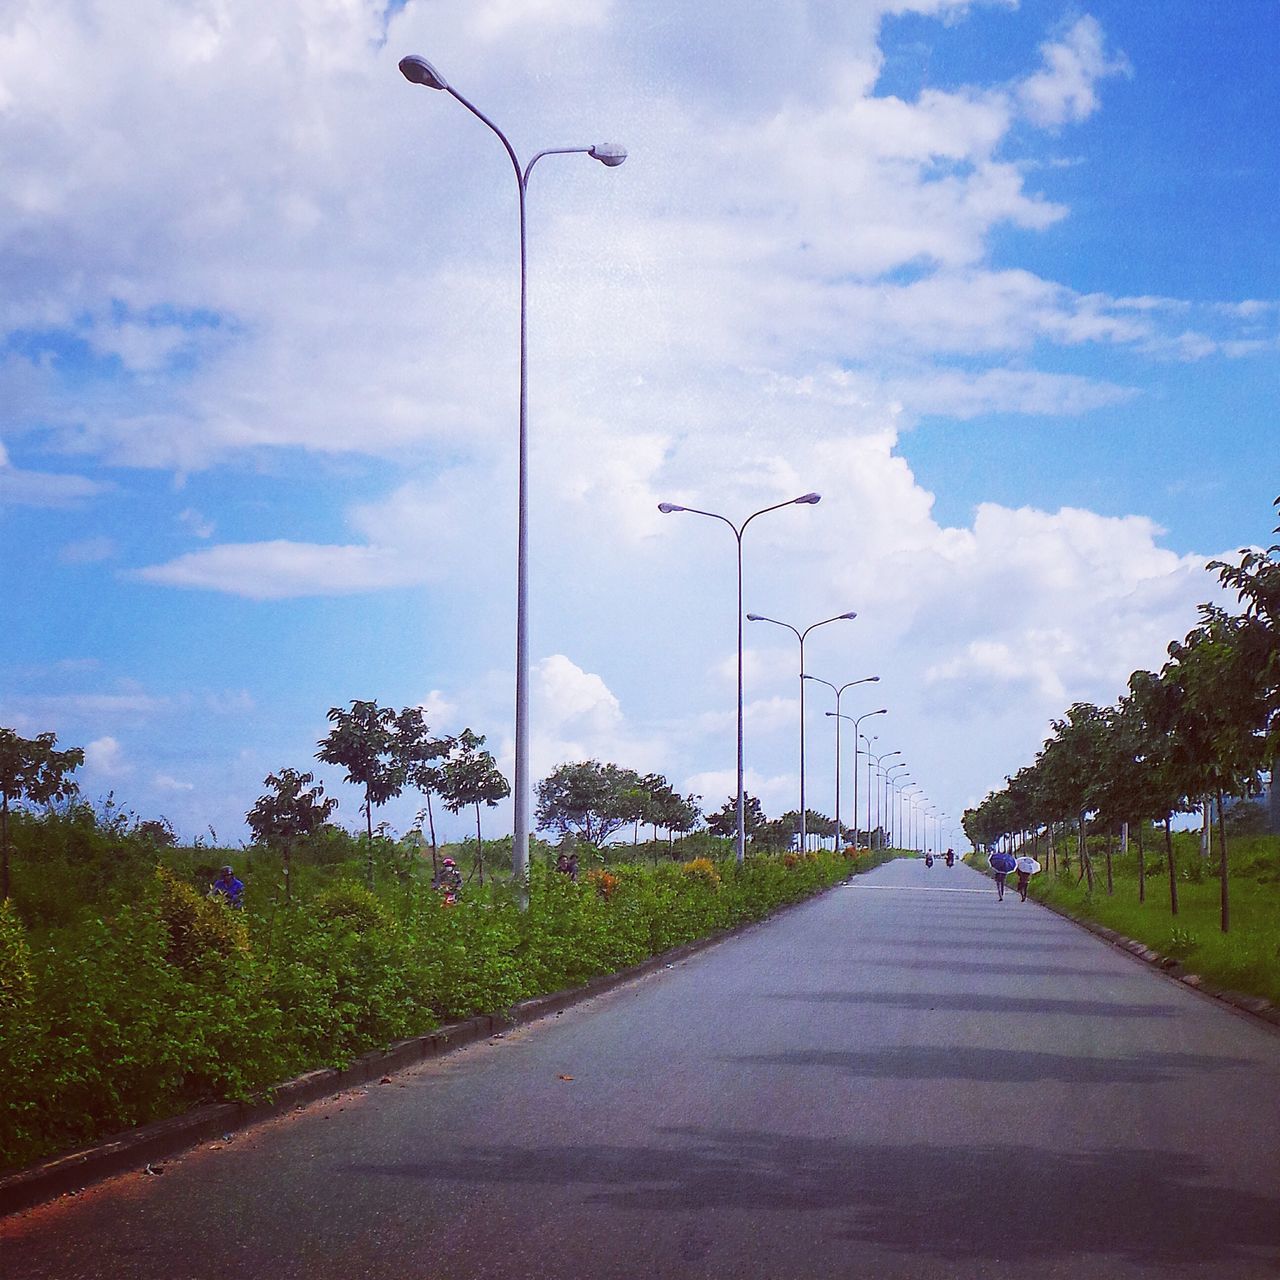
(419, 71)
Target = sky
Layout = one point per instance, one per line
(999, 279)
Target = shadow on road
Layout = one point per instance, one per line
(1001, 967)
(968, 1002)
(996, 1066)
(1150, 1208)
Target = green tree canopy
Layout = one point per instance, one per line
(31, 769)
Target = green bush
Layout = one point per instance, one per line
(155, 997)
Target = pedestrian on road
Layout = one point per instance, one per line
(1001, 864)
(1027, 866)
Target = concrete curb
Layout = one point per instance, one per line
(72, 1171)
(1255, 1006)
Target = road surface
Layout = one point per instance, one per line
(903, 1078)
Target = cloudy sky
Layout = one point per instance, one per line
(1000, 280)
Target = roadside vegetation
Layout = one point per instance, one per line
(1246, 959)
(128, 993)
(1203, 733)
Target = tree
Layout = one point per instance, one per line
(421, 755)
(363, 742)
(587, 798)
(31, 770)
(724, 822)
(470, 775)
(1220, 719)
(293, 810)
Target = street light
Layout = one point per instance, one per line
(878, 759)
(805, 499)
(856, 720)
(838, 717)
(911, 793)
(801, 635)
(418, 70)
(888, 798)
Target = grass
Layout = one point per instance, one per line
(1246, 959)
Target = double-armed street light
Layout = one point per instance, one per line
(419, 71)
(838, 717)
(910, 794)
(855, 721)
(801, 637)
(805, 499)
(879, 759)
(888, 795)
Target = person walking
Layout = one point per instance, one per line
(1026, 867)
(1001, 865)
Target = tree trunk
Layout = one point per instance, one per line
(1142, 867)
(4, 845)
(479, 845)
(1086, 862)
(431, 822)
(1173, 873)
(368, 866)
(1224, 895)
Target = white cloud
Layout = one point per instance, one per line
(104, 757)
(88, 551)
(283, 570)
(165, 782)
(195, 523)
(1065, 89)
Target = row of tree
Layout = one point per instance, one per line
(1203, 728)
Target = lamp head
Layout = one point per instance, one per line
(809, 498)
(884, 711)
(872, 680)
(609, 153)
(848, 616)
(755, 617)
(419, 71)
(668, 507)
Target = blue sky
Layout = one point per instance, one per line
(999, 279)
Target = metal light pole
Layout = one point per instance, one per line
(838, 717)
(801, 636)
(900, 804)
(805, 499)
(888, 797)
(910, 810)
(888, 755)
(418, 70)
(856, 737)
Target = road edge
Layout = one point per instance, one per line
(1258, 1007)
(134, 1149)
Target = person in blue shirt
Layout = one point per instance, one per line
(229, 886)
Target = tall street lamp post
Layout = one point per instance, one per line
(805, 499)
(801, 637)
(888, 796)
(857, 736)
(418, 70)
(856, 721)
(838, 717)
(897, 810)
(878, 761)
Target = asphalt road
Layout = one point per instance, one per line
(903, 1078)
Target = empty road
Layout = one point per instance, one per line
(903, 1078)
